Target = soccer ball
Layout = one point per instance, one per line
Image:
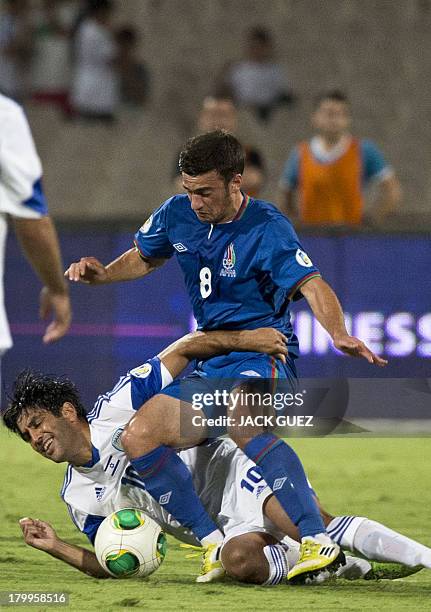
(129, 543)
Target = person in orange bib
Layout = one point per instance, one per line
(324, 178)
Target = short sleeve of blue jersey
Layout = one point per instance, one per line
(283, 258)
(373, 162)
(152, 238)
(146, 381)
(289, 178)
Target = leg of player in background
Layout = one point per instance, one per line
(376, 541)
(361, 535)
(149, 441)
(284, 473)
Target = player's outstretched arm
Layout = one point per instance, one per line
(203, 345)
(327, 310)
(39, 242)
(129, 266)
(40, 535)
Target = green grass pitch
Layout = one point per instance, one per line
(386, 479)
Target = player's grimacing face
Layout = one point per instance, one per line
(211, 199)
(332, 117)
(49, 435)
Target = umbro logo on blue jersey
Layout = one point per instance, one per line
(100, 491)
(164, 499)
(179, 247)
(278, 483)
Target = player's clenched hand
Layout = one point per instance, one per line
(356, 348)
(267, 340)
(87, 270)
(38, 534)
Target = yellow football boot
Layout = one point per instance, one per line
(317, 562)
(211, 568)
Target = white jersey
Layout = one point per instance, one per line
(21, 192)
(229, 484)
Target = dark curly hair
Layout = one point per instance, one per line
(36, 390)
(217, 150)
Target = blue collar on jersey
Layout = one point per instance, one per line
(95, 458)
(245, 202)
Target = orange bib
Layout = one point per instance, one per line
(330, 193)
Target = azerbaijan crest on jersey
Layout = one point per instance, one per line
(229, 259)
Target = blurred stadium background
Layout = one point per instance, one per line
(103, 181)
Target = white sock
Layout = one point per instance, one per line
(215, 537)
(342, 530)
(378, 542)
(375, 541)
(322, 538)
(278, 561)
(292, 549)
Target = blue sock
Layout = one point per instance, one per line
(284, 473)
(168, 480)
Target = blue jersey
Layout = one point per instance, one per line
(239, 275)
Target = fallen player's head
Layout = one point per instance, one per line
(48, 413)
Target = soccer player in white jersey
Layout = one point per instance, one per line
(258, 545)
(23, 199)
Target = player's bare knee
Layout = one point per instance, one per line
(133, 439)
(154, 424)
(140, 435)
(242, 561)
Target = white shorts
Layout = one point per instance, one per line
(244, 496)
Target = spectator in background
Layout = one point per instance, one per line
(95, 84)
(257, 82)
(134, 76)
(324, 178)
(219, 112)
(23, 200)
(16, 48)
(51, 66)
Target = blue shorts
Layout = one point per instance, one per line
(226, 372)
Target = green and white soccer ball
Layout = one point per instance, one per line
(129, 543)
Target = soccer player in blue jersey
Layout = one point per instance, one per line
(243, 264)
